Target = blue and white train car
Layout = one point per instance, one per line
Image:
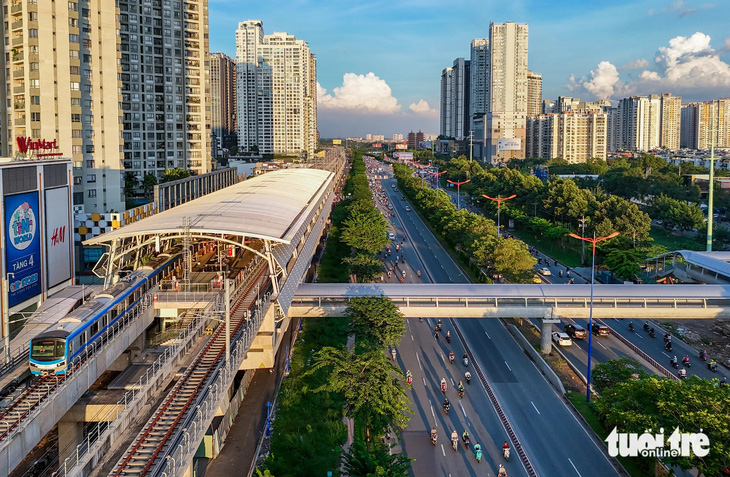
(53, 350)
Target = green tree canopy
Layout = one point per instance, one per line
(375, 321)
(365, 266)
(377, 462)
(565, 200)
(370, 385)
(148, 183)
(609, 374)
(364, 229)
(175, 174)
(624, 263)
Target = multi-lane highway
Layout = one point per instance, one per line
(553, 439)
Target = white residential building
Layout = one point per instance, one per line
(574, 137)
(479, 79)
(640, 122)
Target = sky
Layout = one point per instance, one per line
(379, 63)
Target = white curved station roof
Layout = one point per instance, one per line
(271, 206)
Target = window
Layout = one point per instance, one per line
(73, 6)
(92, 193)
(74, 86)
(74, 133)
(73, 54)
(35, 132)
(74, 70)
(35, 100)
(33, 33)
(75, 118)
(91, 178)
(73, 38)
(72, 22)
(35, 83)
(34, 66)
(75, 101)
(75, 149)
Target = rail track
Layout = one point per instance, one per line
(149, 447)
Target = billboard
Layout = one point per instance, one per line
(508, 144)
(403, 156)
(401, 147)
(58, 236)
(22, 251)
(336, 141)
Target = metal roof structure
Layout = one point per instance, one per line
(716, 262)
(270, 207)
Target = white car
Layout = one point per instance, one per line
(562, 338)
(545, 271)
(408, 208)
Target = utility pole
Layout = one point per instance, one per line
(582, 237)
(471, 144)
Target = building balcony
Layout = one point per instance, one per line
(18, 40)
(18, 56)
(19, 105)
(18, 7)
(16, 25)
(19, 121)
(19, 89)
(18, 73)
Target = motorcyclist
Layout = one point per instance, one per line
(502, 471)
(467, 375)
(418, 273)
(465, 436)
(674, 362)
(703, 355)
(465, 359)
(409, 376)
(454, 437)
(685, 360)
(448, 336)
(682, 373)
(712, 365)
(646, 326)
(438, 325)
(436, 334)
(505, 446)
(447, 404)
(393, 353)
(651, 332)
(451, 356)
(434, 434)
(668, 346)
(631, 326)
(443, 384)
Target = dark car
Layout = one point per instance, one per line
(601, 330)
(575, 331)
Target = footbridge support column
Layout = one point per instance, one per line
(546, 329)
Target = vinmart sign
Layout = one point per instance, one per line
(37, 147)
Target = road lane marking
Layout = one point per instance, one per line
(505, 363)
(533, 405)
(433, 413)
(442, 450)
(419, 362)
(412, 338)
(462, 409)
(665, 354)
(487, 335)
(452, 381)
(576, 470)
(424, 381)
(601, 345)
(637, 334)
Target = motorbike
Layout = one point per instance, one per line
(682, 373)
(646, 327)
(505, 453)
(712, 366)
(674, 363)
(466, 441)
(451, 358)
(461, 393)
(443, 387)
(668, 346)
(478, 454)
(448, 337)
(703, 355)
(667, 337)
(651, 333)
(631, 326)
(686, 362)
(446, 408)
(468, 378)
(466, 361)
(409, 380)
(454, 442)
(434, 437)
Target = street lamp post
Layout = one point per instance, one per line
(710, 203)
(458, 191)
(499, 201)
(437, 174)
(594, 241)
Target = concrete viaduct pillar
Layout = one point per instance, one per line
(546, 329)
(71, 426)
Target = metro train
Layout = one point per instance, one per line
(53, 350)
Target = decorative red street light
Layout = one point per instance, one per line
(458, 191)
(499, 201)
(594, 241)
(437, 174)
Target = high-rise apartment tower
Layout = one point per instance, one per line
(222, 99)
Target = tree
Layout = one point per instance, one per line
(676, 213)
(359, 462)
(130, 184)
(366, 267)
(375, 321)
(370, 385)
(266, 473)
(566, 200)
(624, 217)
(624, 263)
(175, 174)
(692, 405)
(364, 229)
(512, 260)
(607, 375)
(148, 183)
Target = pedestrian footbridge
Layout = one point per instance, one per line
(527, 301)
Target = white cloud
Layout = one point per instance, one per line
(726, 45)
(422, 107)
(359, 93)
(679, 8)
(603, 83)
(634, 65)
(689, 66)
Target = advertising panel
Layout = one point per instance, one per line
(336, 141)
(22, 251)
(403, 156)
(401, 147)
(58, 236)
(508, 144)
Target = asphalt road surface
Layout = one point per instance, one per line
(552, 437)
